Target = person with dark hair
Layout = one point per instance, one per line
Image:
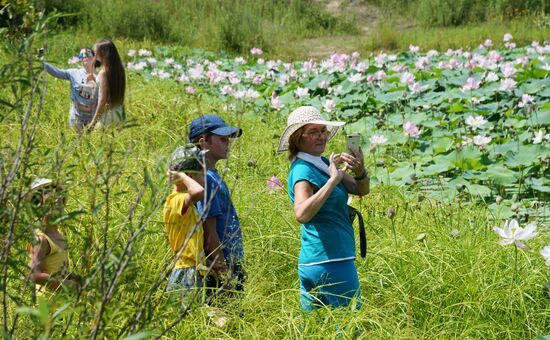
(83, 88)
(222, 228)
(183, 224)
(111, 88)
(318, 188)
(48, 256)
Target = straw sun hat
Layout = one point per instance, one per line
(302, 116)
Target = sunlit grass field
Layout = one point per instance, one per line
(444, 276)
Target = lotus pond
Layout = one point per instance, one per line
(466, 124)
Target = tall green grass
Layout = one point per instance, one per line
(231, 25)
(442, 285)
(444, 13)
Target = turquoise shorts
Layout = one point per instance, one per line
(333, 284)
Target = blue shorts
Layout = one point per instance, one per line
(332, 284)
(187, 285)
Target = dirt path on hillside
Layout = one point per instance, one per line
(368, 18)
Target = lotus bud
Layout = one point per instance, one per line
(515, 207)
(391, 213)
(498, 199)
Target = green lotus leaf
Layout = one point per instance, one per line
(501, 211)
(390, 97)
(524, 157)
(441, 145)
(468, 158)
(403, 170)
(502, 175)
(538, 184)
(436, 168)
(478, 190)
(540, 118)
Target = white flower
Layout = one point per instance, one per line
(355, 78)
(131, 53)
(545, 252)
(507, 85)
(482, 141)
(240, 60)
(475, 122)
(491, 76)
(145, 53)
(329, 105)
(378, 140)
(413, 48)
(169, 61)
(507, 37)
(512, 233)
(301, 92)
(488, 43)
(152, 61)
(525, 99)
(539, 136)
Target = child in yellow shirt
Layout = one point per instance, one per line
(49, 256)
(183, 223)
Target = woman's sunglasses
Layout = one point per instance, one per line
(87, 54)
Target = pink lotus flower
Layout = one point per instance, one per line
(507, 85)
(471, 84)
(324, 84)
(301, 92)
(256, 51)
(407, 78)
(190, 89)
(274, 184)
(275, 101)
(488, 43)
(414, 49)
(411, 130)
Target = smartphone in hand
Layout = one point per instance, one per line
(353, 141)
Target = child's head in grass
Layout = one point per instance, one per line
(189, 160)
(47, 199)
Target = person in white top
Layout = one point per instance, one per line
(111, 82)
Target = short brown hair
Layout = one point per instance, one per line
(293, 143)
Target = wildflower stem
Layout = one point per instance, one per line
(393, 230)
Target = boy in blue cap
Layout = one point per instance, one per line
(222, 228)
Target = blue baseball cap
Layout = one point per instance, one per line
(213, 124)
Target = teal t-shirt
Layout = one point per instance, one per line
(328, 236)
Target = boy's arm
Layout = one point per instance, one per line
(212, 244)
(57, 72)
(194, 189)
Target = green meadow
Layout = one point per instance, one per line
(432, 270)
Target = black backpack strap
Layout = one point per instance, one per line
(362, 235)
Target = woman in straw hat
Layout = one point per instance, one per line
(318, 188)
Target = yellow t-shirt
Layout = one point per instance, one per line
(184, 227)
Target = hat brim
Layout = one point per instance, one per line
(333, 127)
(227, 131)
